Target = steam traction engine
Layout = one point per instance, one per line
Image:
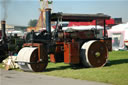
(72, 46)
(9, 45)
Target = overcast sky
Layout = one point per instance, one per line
(19, 12)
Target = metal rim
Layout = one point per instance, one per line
(97, 54)
(39, 67)
(94, 54)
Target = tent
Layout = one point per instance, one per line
(108, 22)
(119, 34)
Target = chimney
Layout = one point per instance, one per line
(3, 23)
(48, 20)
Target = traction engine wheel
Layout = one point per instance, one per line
(94, 54)
(28, 59)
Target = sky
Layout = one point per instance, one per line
(20, 12)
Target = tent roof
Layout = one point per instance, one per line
(119, 27)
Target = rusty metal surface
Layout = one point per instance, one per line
(52, 58)
(3, 28)
(108, 43)
(94, 53)
(97, 54)
(3, 22)
(58, 55)
(39, 55)
(71, 53)
(78, 17)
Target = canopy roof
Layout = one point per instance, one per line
(90, 27)
(78, 17)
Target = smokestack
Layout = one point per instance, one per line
(48, 20)
(3, 30)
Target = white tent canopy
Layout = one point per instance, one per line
(119, 34)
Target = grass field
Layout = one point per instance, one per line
(115, 73)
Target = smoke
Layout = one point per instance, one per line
(4, 4)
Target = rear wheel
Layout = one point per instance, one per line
(94, 54)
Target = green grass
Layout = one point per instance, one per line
(115, 73)
(1, 66)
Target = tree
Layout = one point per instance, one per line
(32, 23)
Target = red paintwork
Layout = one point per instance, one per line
(71, 53)
(58, 52)
(38, 45)
(108, 43)
(52, 58)
(110, 21)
